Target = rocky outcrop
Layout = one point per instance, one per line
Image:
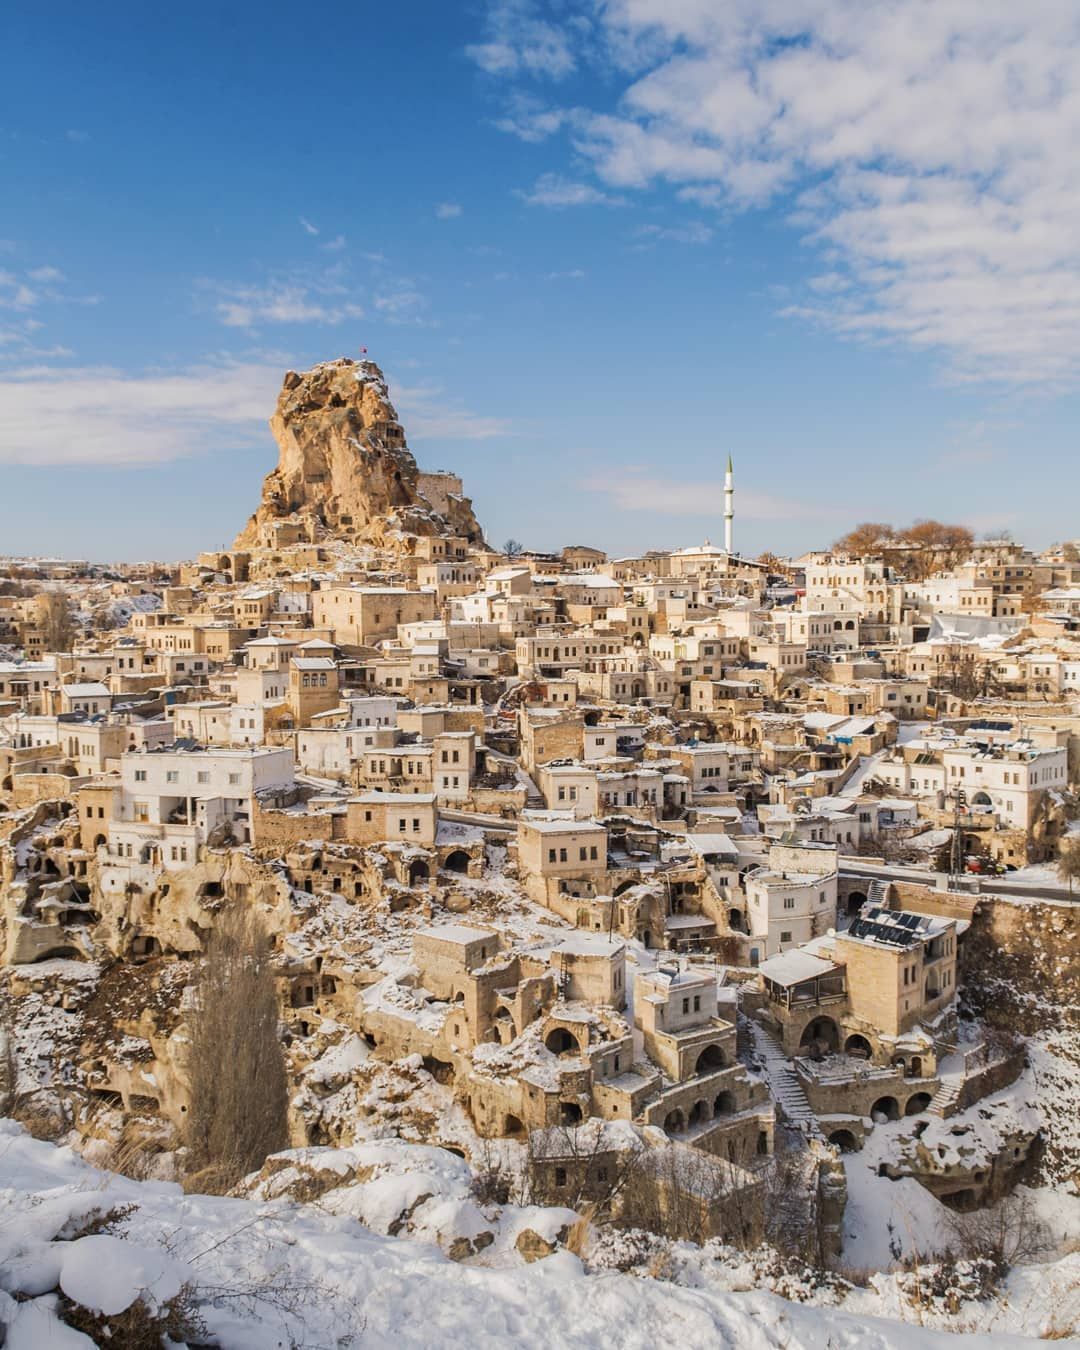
(345, 471)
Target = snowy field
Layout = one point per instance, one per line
(265, 1272)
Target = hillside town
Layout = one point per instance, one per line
(692, 867)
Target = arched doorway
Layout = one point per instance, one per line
(858, 1046)
(513, 1128)
(885, 1108)
(560, 1042)
(917, 1104)
(821, 1037)
(844, 1140)
(675, 1122)
(712, 1057)
(458, 861)
(418, 871)
(724, 1104)
(855, 901)
(569, 1113)
(699, 1113)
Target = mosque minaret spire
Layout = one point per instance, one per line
(729, 509)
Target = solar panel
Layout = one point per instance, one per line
(894, 937)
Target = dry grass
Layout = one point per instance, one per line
(577, 1236)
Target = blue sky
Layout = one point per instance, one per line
(595, 247)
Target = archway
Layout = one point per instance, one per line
(885, 1108)
(822, 1036)
(844, 1140)
(724, 1104)
(458, 861)
(569, 1113)
(915, 1071)
(418, 871)
(560, 1042)
(513, 1128)
(712, 1057)
(917, 1104)
(699, 1112)
(736, 922)
(674, 1122)
(858, 1046)
(855, 901)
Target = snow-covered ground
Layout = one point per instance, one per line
(266, 1272)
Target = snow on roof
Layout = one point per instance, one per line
(713, 843)
(458, 933)
(562, 825)
(590, 944)
(793, 967)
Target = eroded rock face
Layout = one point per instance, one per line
(344, 468)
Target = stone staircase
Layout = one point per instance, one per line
(784, 1082)
(943, 1102)
(877, 893)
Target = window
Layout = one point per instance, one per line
(140, 775)
(697, 1002)
(560, 1176)
(789, 902)
(551, 855)
(172, 776)
(686, 1005)
(785, 937)
(562, 855)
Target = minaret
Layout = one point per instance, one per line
(729, 510)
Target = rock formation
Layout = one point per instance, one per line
(345, 471)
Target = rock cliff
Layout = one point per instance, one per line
(345, 471)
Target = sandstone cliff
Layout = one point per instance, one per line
(345, 471)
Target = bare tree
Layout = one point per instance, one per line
(513, 548)
(1006, 1234)
(239, 1096)
(1068, 863)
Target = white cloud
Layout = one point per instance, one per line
(403, 304)
(520, 43)
(428, 414)
(448, 210)
(552, 190)
(335, 245)
(45, 274)
(929, 147)
(571, 274)
(307, 226)
(282, 302)
(631, 489)
(693, 232)
(55, 416)
(100, 416)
